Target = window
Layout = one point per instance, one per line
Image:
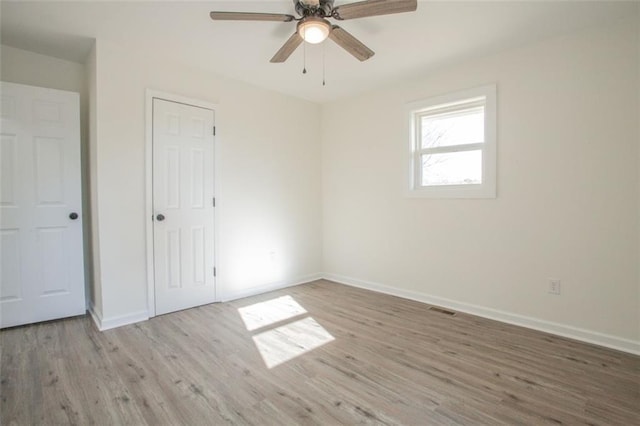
(453, 145)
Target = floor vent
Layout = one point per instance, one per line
(442, 310)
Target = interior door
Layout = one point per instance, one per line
(183, 203)
(42, 275)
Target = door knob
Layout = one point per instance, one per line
(160, 217)
(73, 216)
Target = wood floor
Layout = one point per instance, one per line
(343, 356)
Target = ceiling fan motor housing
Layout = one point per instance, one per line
(323, 8)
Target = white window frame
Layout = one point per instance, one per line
(484, 95)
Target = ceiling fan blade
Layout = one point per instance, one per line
(248, 16)
(363, 9)
(350, 43)
(287, 48)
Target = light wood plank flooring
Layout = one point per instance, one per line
(357, 357)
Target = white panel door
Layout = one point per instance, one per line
(41, 275)
(183, 232)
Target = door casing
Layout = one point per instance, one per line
(150, 95)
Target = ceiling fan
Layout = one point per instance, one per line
(313, 26)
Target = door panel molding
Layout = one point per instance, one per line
(150, 95)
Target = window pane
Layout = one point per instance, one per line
(452, 168)
(461, 127)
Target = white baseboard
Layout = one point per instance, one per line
(601, 339)
(118, 321)
(253, 291)
(113, 322)
(95, 313)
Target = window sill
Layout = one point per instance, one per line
(453, 191)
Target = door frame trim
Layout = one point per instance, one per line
(150, 95)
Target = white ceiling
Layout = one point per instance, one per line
(406, 45)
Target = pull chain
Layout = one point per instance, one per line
(323, 61)
(304, 51)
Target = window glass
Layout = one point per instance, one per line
(452, 168)
(449, 129)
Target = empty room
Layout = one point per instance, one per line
(327, 212)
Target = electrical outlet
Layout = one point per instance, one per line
(554, 286)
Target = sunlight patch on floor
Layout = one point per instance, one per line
(282, 329)
(284, 343)
(270, 312)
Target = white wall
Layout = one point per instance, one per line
(268, 180)
(24, 67)
(568, 192)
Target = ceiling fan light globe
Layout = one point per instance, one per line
(316, 34)
(314, 30)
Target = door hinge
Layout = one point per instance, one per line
(214, 201)
(214, 271)
(214, 130)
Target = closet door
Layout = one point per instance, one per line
(183, 227)
(42, 275)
